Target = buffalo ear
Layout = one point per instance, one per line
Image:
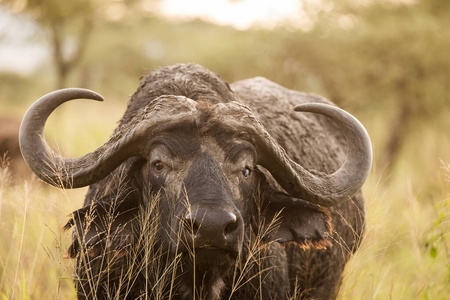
(294, 220)
(99, 222)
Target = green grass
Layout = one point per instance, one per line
(405, 253)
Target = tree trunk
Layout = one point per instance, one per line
(65, 65)
(398, 134)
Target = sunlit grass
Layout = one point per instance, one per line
(32, 245)
(406, 250)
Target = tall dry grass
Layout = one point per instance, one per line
(32, 244)
(406, 250)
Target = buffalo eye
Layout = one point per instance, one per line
(246, 172)
(158, 165)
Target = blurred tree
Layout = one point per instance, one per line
(70, 25)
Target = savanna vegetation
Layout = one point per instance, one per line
(386, 62)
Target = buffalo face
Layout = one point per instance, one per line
(203, 188)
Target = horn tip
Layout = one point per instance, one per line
(78, 93)
(94, 95)
(306, 107)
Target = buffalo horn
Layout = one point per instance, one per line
(126, 142)
(317, 187)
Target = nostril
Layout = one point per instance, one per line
(215, 228)
(231, 227)
(190, 224)
(195, 228)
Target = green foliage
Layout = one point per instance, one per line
(437, 241)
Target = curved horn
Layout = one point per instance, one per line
(332, 189)
(94, 166)
(320, 188)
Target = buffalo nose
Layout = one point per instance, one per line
(213, 228)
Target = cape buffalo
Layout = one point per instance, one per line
(208, 190)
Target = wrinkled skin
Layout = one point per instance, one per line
(200, 181)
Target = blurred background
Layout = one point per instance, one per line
(387, 62)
